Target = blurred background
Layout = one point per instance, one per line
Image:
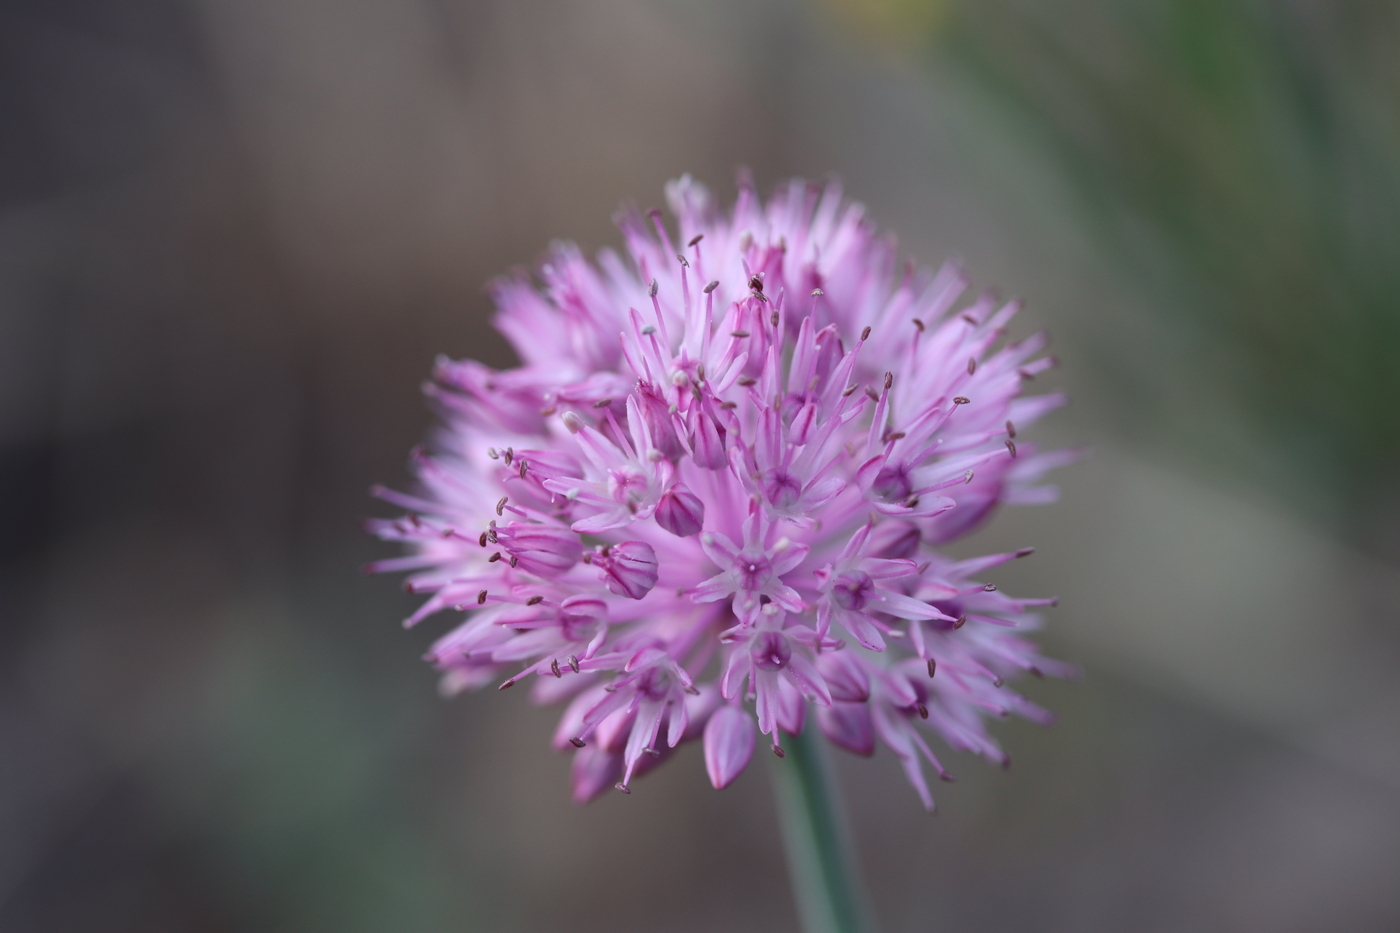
(233, 236)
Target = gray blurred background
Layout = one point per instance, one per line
(233, 236)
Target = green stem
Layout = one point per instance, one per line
(825, 880)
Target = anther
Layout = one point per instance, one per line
(482, 539)
(1011, 448)
(756, 284)
(491, 452)
(817, 293)
(728, 406)
(1010, 429)
(534, 600)
(967, 477)
(849, 390)
(683, 260)
(507, 685)
(998, 682)
(652, 752)
(961, 621)
(514, 560)
(573, 422)
(889, 380)
(524, 465)
(501, 504)
(923, 711)
(554, 668)
(623, 787)
(738, 333)
(602, 403)
(651, 292)
(919, 324)
(573, 663)
(1025, 552)
(865, 333)
(897, 435)
(778, 750)
(577, 742)
(509, 455)
(874, 396)
(712, 286)
(989, 588)
(971, 365)
(493, 558)
(747, 381)
(961, 400)
(552, 409)
(696, 239)
(773, 319)
(932, 667)
(648, 330)
(481, 598)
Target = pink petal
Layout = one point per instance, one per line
(729, 741)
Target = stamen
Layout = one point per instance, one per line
(849, 389)
(534, 600)
(622, 787)
(573, 663)
(961, 400)
(514, 560)
(602, 403)
(683, 260)
(507, 685)
(778, 750)
(712, 286)
(696, 239)
(738, 333)
(971, 365)
(865, 333)
(577, 742)
(554, 668)
(932, 667)
(1011, 446)
(482, 539)
(874, 396)
(491, 452)
(961, 621)
(989, 588)
(889, 380)
(1010, 429)
(747, 381)
(493, 558)
(501, 504)
(481, 598)
(919, 324)
(923, 711)
(653, 289)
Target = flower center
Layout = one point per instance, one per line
(892, 482)
(852, 589)
(752, 571)
(782, 488)
(770, 651)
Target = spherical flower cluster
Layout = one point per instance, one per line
(710, 498)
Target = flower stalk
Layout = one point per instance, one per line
(825, 874)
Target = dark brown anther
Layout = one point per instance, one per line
(501, 504)
(945, 776)
(756, 284)
(998, 682)
(652, 289)
(923, 711)
(696, 239)
(897, 435)
(700, 372)
(889, 380)
(1035, 671)
(1025, 552)
(577, 742)
(778, 750)
(712, 286)
(524, 465)
(932, 667)
(482, 539)
(602, 403)
(969, 318)
(534, 600)
(1011, 448)
(507, 685)
(573, 663)
(865, 334)
(874, 396)
(919, 324)
(989, 588)
(623, 787)
(1010, 429)
(554, 668)
(911, 502)
(683, 260)
(408, 587)
(493, 558)
(773, 319)
(961, 400)
(514, 560)
(738, 333)
(1006, 763)
(481, 598)
(747, 381)
(1025, 374)
(961, 621)
(491, 534)
(728, 406)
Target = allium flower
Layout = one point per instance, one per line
(708, 499)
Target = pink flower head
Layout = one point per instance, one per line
(709, 497)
